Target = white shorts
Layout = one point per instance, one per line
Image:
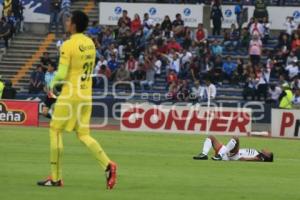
(226, 157)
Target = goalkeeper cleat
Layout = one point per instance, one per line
(217, 157)
(111, 175)
(50, 183)
(201, 156)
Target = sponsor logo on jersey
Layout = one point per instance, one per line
(83, 48)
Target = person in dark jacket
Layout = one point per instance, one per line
(5, 31)
(166, 24)
(9, 92)
(216, 16)
(54, 17)
(37, 78)
(260, 10)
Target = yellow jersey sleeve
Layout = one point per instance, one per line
(65, 54)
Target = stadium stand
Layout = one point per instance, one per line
(24, 45)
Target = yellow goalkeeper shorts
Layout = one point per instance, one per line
(72, 115)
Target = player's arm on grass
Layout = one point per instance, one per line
(64, 63)
(250, 159)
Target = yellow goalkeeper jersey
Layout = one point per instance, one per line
(78, 54)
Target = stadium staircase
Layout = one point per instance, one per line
(25, 50)
(22, 56)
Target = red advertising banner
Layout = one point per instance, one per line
(23, 113)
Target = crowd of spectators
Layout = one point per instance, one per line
(192, 65)
(11, 21)
(141, 51)
(228, 2)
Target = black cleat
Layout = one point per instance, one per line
(50, 183)
(217, 157)
(201, 156)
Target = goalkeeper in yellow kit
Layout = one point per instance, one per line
(72, 111)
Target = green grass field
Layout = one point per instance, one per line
(151, 166)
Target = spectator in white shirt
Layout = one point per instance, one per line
(263, 78)
(157, 66)
(274, 93)
(291, 57)
(209, 91)
(148, 24)
(102, 61)
(292, 69)
(290, 25)
(186, 57)
(174, 62)
(197, 90)
(296, 99)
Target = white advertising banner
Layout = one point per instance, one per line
(277, 16)
(111, 12)
(185, 119)
(285, 123)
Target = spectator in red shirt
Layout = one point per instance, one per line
(171, 77)
(162, 47)
(136, 23)
(296, 42)
(104, 70)
(172, 44)
(201, 34)
(131, 65)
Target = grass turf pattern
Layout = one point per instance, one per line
(151, 167)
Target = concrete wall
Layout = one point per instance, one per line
(36, 28)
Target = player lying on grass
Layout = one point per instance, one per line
(73, 107)
(232, 151)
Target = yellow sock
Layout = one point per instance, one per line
(95, 149)
(56, 150)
